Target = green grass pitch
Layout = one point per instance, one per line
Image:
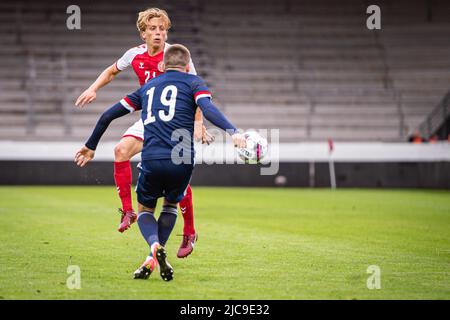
(253, 244)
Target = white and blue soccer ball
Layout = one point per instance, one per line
(256, 148)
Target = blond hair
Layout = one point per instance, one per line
(145, 16)
(176, 56)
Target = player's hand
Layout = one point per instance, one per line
(207, 137)
(239, 140)
(83, 156)
(86, 97)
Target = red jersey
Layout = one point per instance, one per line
(145, 66)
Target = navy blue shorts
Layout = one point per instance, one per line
(162, 178)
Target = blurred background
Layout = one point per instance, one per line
(368, 108)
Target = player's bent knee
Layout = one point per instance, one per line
(127, 148)
(121, 153)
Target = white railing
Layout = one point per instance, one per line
(436, 118)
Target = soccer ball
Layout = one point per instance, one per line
(256, 148)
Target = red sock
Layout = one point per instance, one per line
(187, 210)
(123, 178)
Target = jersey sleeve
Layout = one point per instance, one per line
(213, 115)
(200, 90)
(132, 102)
(125, 61)
(116, 111)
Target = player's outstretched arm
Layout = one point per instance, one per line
(103, 79)
(87, 152)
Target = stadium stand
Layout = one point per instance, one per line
(310, 68)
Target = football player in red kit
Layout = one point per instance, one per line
(147, 62)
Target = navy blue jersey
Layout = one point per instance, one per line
(168, 103)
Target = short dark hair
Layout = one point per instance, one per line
(176, 56)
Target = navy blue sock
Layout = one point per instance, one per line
(166, 222)
(149, 227)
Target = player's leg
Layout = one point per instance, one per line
(149, 189)
(149, 230)
(175, 191)
(166, 222)
(189, 234)
(130, 145)
(147, 199)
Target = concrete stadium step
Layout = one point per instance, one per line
(341, 65)
(372, 101)
(19, 106)
(293, 136)
(323, 52)
(252, 40)
(13, 132)
(252, 99)
(17, 72)
(261, 122)
(369, 110)
(420, 109)
(407, 87)
(415, 118)
(420, 99)
(12, 119)
(341, 83)
(11, 84)
(266, 110)
(306, 75)
(354, 120)
(424, 75)
(255, 86)
(13, 95)
(351, 134)
(340, 86)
